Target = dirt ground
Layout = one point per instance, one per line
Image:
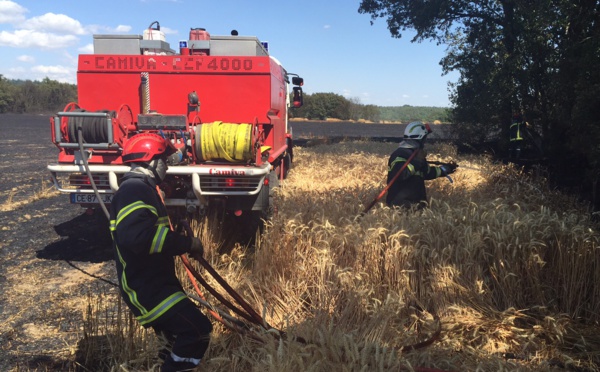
(51, 252)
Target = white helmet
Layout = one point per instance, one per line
(416, 130)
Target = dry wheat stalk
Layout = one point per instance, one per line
(508, 264)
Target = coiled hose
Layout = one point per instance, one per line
(224, 141)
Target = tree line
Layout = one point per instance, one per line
(537, 58)
(26, 96)
(322, 106)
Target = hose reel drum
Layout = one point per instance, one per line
(230, 142)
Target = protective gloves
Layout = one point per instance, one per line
(197, 249)
(448, 169)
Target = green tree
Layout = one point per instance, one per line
(55, 96)
(539, 58)
(371, 113)
(488, 26)
(355, 111)
(6, 95)
(320, 106)
(28, 96)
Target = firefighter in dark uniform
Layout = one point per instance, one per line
(145, 247)
(409, 188)
(516, 130)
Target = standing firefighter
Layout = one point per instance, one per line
(516, 136)
(145, 247)
(409, 187)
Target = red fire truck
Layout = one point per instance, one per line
(221, 100)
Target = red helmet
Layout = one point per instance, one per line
(144, 147)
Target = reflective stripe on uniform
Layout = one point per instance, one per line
(125, 211)
(518, 137)
(163, 220)
(130, 292)
(161, 308)
(162, 224)
(411, 168)
(159, 239)
(162, 227)
(178, 359)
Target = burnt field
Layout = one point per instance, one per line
(51, 251)
(314, 132)
(48, 250)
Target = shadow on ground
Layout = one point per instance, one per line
(86, 238)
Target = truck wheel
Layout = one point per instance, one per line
(241, 230)
(290, 149)
(225, 229)
(286, 163)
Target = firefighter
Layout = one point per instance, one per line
(145, 247)
(516, 137)
(408, 189)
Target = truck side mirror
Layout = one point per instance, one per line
(297, 100)
(296, 80)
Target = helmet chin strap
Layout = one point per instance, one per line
(144, 170)
(158, 168)
(155, 169)
(411, 143)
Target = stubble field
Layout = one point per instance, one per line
(508, 266)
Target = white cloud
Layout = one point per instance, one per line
(122, 28)
(26, 58)
(11, 12)
(405, 96)
(59, 73)
(87, 49)
(100, 29)
(50, 69)
(327, 27)
(34, 39)
(16, 70)
(168, 31)
(70, 58)
(54, 23)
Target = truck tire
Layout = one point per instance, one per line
(287, 164)
(288, 158)
(241, 230)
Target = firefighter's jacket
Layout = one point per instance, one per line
(145, 247)
(409, 187)
(515, 131)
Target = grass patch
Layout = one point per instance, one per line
(44, 191)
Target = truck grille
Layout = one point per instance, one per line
(82, 181)
(216, 184)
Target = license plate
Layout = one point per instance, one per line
(90, 198)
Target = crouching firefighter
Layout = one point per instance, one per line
(145, 247)
(408, 189)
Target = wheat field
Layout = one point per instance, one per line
(503, 265)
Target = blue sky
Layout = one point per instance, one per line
(327, 42)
